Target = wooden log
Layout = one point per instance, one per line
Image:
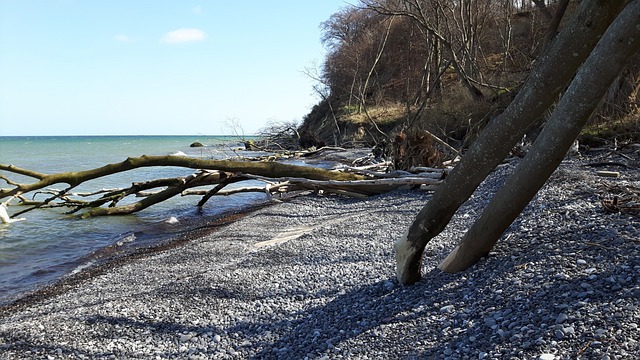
(613, 174)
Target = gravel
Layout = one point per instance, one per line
(563, 283)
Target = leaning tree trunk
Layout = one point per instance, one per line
(556, 67)
(619, 44)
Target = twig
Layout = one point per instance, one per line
(598, 245)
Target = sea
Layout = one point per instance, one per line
(51, 244)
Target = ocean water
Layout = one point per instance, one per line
(50, 244)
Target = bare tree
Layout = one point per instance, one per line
(554, 20)
(278, 177)
(431, 16)
(554, 70)
(618, 45)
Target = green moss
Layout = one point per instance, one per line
(601, 131)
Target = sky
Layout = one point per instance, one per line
(157, 67)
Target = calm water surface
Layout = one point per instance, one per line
(49, 244)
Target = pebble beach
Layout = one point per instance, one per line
(313, 277)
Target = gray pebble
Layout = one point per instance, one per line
(561, 318)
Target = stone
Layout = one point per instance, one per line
(389, 285)
(562, 317)
(546, 357)
(446, 309)
(490, 322)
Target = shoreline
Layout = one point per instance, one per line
(77, 278)
(48, 245)
(314, 277)
(110, 254)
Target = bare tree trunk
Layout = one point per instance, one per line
(613, 52)
(554, 70)
(552, 30)
(74, 178)
(279, 178)
(363, 92)
(544, 9)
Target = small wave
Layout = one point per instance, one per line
(79, 268)
(127, 239)
(172, 220)
(43, 272)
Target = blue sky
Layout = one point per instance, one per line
(71, 67)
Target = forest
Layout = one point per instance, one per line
(447, 67)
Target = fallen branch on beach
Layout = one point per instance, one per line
(210, 179)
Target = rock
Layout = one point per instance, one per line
(546, 357)
(561, 318)
(569, 330)
(196, 144)
(389, 285)
(581, 262)
(490, 322)
(446, 309)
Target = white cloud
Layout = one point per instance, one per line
(122, 38)
(184, 35)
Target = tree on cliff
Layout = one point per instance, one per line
(440, 65)
(580, 52)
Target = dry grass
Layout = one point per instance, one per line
(382, 115)
(601, 130)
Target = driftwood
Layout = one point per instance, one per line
(215, 175)
(604, 173)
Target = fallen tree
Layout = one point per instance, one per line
(213, 174)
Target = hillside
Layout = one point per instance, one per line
(391, 68)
